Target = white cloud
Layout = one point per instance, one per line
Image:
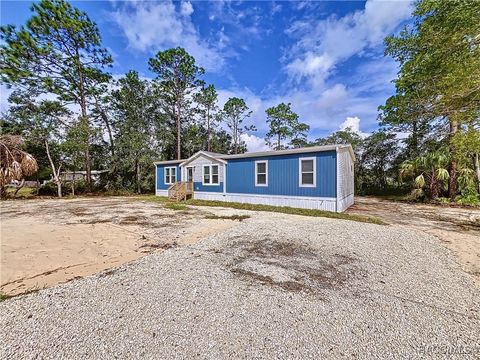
(313, 67)
(353, 123)
(186, 8)
(151, 27)
(254, 143)
(332, 97)
(321, 45)
(276, 8)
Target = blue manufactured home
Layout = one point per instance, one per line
(319, 177)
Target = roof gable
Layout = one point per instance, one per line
(208, 155)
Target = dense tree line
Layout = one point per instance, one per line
(75, 116)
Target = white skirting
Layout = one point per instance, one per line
(328, 204)
(345, 203)
(325, 203)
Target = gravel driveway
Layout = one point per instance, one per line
(273, 286)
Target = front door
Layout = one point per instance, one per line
(190, 173)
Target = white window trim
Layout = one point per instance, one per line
(211, 183)
(170, 176)
(314, 172)
(266, 172)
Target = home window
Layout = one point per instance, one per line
(210, 175)
(261, 173)
(307, 172)
(170, 175)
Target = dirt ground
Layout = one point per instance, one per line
(45, 242)
(457, 227)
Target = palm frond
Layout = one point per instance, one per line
(15, 164)
(466, 178)
(420, 181)
(442, 174)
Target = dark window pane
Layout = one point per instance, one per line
(215, 170)
(214, 179)
(307, 165)
(307, 179)
(206, 170)
(206, 179)
(261, 168)
(167, 172)
(262, 179)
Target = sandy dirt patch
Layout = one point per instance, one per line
(46, 242)
(458, 228)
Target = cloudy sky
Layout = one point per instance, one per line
(326, 58)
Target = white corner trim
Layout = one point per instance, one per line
(314, 172)
(225, 178)
(266, 173)
(337, 180)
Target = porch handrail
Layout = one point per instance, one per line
(180, 189)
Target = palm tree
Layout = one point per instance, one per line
(15, 164)
(430, 169)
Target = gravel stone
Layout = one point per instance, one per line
(273, 286)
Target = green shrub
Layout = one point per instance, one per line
(416, 195)
(442, 200)
(80, 187)
(49, 189)
(470, 199)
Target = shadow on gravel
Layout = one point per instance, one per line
(292, 267)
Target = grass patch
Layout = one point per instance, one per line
(4, 297)
(23, 193)
(175, 206)
(270, 208)
(154, 198)
(225, 217)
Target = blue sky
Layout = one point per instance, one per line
(324, 57)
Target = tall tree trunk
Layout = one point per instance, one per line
(278, 145)
(235, 138)
(434, 190)
(179, 133)
(83, 108)
(108, 126)
(137, 170)
(414, 140)
(88, 168)
(73, 183)
(209, 141)
(452, 167)
(110, 135)
(19, 187)
(56, 172)
(476, 165)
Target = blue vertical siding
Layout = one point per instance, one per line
(198, 186)
(283, 175)
(161, 175)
